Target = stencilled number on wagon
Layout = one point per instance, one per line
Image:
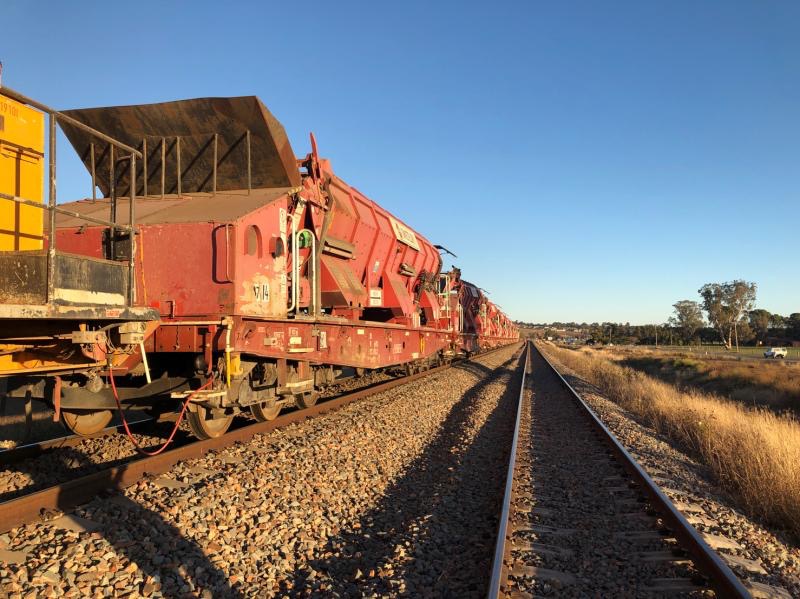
(9, 108)
(261, 292)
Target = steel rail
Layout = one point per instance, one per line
(498, 562)
(721, 577)
(28, 508)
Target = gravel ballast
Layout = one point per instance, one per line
(397, 494)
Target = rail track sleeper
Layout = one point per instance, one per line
(760, 590)
(672, 585)
(748, 565)
(563, 578)
(721, 577)
(673, 541)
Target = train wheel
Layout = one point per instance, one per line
(263, 412)
(306, 400)
(204, 427)
(85, 424)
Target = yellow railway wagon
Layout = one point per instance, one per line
(21, 175)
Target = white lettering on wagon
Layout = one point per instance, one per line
(404, 234)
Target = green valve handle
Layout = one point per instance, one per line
(304, 239)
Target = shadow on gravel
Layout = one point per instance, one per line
(12, 421)
(67, 463)
(165, 559)
(447, 501)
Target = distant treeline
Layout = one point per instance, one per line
(730, 318)
(760, 326)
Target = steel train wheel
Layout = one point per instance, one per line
(85, 423)
(263, 412)
(204, 427)
(306, 400)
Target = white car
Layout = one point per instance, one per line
(776, 352)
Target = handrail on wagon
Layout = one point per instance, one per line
(54, 117)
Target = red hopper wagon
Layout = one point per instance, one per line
(270, 275)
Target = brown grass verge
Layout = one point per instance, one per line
(753, 452)
(774, 384)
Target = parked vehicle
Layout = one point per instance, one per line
(776, 352)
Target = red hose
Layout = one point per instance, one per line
(125, 420)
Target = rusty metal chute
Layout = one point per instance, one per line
(188, 146)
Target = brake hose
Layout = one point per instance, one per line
(136, 444)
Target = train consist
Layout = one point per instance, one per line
(217, 271)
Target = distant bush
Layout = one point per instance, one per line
(687, 363)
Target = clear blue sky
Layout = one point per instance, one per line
(587, 161)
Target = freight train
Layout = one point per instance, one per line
(215, 271)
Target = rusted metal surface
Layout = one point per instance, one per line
(61, 212)
(77, 280)
(27, 312)
(194, 207)
(721, 577)
(29, 508)
(63, 118)
(198, 123)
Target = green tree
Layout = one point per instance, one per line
(687, 320)
(776, 321)
(759, 322)
(793, 326)
(745, 332)
(726, 304)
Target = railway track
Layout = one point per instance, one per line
(65, 495)
(581, 517)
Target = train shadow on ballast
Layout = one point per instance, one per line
(426, 490)
(144, 536)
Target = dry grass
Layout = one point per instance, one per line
(774, 384)
(753, 452)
